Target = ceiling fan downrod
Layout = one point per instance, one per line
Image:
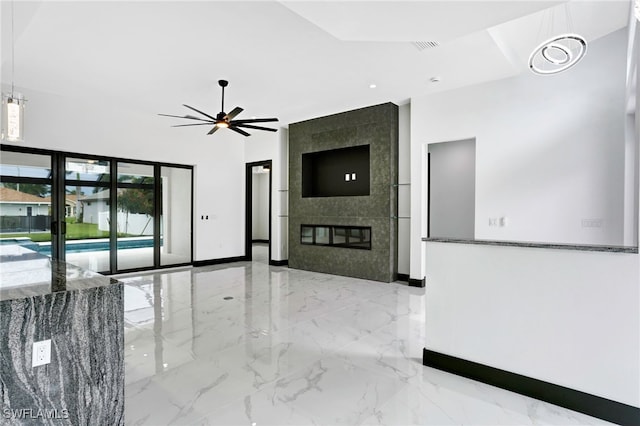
(223, 84)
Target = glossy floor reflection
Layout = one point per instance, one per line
(250, 344)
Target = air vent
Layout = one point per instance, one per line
(422, 45)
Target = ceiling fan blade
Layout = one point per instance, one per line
(208, 123)
(242, 132)
(255, 120)
(190, 117)
(249, 126)
(198, 111)
(233, 113)
(212, 131)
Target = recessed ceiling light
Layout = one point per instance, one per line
(372, 86)
(435, 79)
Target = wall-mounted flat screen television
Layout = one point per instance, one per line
(336, 172)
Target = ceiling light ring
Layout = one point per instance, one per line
(554, 42)
(568, 56)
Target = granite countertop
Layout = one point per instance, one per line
(25, 273)
(579, 247)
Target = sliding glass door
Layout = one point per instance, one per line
(136, 209)
(103, 214)
(87, 213)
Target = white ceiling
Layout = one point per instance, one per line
(293, 59)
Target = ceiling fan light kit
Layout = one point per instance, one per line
(224, 120)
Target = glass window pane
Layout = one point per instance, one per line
(360, 237)
(175, 219)
(25, 218)
(339, 235)
(135, 228)
(306, 234)
(87, 169)
(135, 173)
(322, 235)
(19, 164)
(86, 204)
(88, 220)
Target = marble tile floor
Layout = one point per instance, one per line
(250, 344)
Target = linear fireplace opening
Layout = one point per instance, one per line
(355, 237)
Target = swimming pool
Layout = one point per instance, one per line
(83, 246)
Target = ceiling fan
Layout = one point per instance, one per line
(224, 120)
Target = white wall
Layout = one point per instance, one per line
(549, 151)
(567, 317)
(260, 204)
(571, 318)
(20, 209)
(92, 209)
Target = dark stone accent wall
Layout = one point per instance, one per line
(376, 126)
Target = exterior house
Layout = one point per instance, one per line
(92, 205)
(21, 212)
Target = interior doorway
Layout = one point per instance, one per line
(258, 207)
(451, 189)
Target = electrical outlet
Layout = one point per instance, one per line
(41, 354)
(592, 223)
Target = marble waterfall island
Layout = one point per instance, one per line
(81, 313)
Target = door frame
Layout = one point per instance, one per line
(248, 228)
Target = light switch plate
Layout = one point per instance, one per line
(41, 354)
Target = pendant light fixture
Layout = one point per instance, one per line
(558, 52)
(12, 103)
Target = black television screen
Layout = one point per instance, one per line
(337, 172)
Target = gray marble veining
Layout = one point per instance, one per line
(579, 247)
(82, 314)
